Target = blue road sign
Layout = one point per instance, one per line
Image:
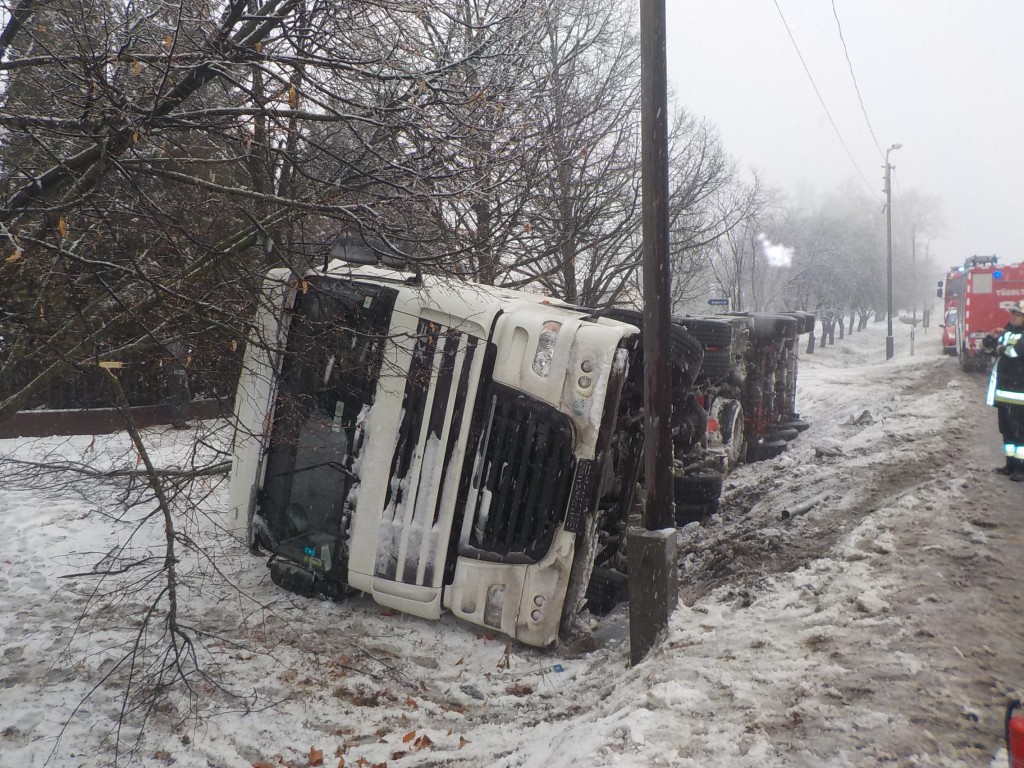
(718, 302)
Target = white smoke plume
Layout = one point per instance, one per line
(777, 255)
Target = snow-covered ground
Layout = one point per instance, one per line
(827, 619)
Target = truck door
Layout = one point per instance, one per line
(328, 382)
(417, 435)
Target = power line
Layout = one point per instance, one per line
(856, 87)
(820, 99)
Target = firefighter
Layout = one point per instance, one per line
(1006, 388)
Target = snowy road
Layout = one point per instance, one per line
(879, 622)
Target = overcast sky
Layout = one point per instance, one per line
(943, 77)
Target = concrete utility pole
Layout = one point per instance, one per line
(926, 306)
(913, 271)
(889, 346)
(651, 551)
(913, 284)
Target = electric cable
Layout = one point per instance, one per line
(822, 100)
(856, 87)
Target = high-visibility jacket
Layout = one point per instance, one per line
(1006, 384)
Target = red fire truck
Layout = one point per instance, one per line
(988, 289)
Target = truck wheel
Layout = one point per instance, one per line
(696, 496)
(686, 352)
(694, 513)
(762, 451)
(730, 417)
(608, 588)
(716, 365)
(783, 433)
(292, 578)
(965, 361)
(716, 334)
(809, 321)
(798, 424)
(773, 327)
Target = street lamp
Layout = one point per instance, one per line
(889, 347)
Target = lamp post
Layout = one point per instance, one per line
(889, 347)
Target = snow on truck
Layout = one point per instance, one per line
(445, 446)
(976, 302)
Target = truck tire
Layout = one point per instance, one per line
(773, 327)
(798, 424)
(711, 333)
(716, 366)
(966, 362)
(762, 451)
(694, 513)
(805, 321)
(783, 433)
(696, 496)
(607, 589)
(730, 420)
(686, 352)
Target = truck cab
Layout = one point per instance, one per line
(988, 289)
(436, 445)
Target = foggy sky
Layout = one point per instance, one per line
(944, 78)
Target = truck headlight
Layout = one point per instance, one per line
(546, 348)
(495, 605)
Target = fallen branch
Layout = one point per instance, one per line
(805, 506)
(220, 468)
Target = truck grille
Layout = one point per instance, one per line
(522, 477)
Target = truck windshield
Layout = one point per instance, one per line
(330, 371)
(954, 286)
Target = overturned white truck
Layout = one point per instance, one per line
(436, 445)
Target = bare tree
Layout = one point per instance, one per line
(187, 153)
(839, 254)
(583, 201)
(741, 268)
(158, 158)
(918, 218)
(706, 204)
